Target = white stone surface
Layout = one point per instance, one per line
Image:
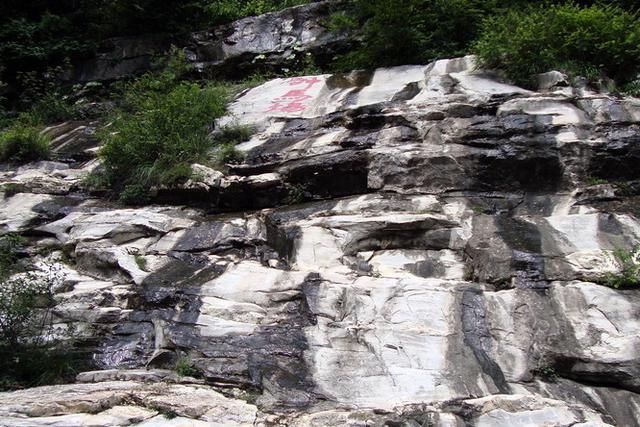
(17, 211)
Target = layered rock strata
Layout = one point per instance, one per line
(420, 245)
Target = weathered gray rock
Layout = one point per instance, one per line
(281, 41)
(121, 403)
(552, 80)
(420, 245)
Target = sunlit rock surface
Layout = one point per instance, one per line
(418, 245)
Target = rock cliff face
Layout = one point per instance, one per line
(415, 246)
(274, 41)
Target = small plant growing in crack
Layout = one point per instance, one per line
(165, 412)
(186, 368)
(141, 262)
(628, 275)
(296, 193)
(546, 372)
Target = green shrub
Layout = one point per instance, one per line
(547, 372)
(135, 194)
(222, 11)
(395, 32)
(29, 353)
(23, 144)
(632, 88)
(225, 141)
(25, 296)
(186, 368)
(141, 262)
(227, 154)
(50, 108)
(296, 193)
(10, 245)
(629, 269)
(24, 300)
(160, 131)
(579, 40)
(96, 180)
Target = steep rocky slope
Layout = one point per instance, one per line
(273, 41)
(416, 246)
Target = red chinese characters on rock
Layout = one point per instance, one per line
(293, 100)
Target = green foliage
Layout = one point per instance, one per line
(52, 107)
(96, 181)
(547, 372)
(631, 88)
(23, 144)
(558, 34)
(629, 273)
(593, 180)
(593, 41)
(394, 32)
(11, 189)
(10, 245)
(39, 39)
(186, 368)
(25, 296)
(222, 11)
(250, 396)
(22, 296)
(21, 299)
(135, 194)
(29, 354)
(225, 140)
(162, 128)
(30, 366)
(227, 154)
(233, 134)
(166, 412)
(296, 193)
(141, 262)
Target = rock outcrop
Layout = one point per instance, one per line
(278, 41)
(420, 245)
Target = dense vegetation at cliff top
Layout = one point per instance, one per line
(40, 39)
(522, 37)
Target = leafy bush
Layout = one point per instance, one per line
(578, 40)
(24, 300)
(629, 274)
(233, 134)
(225, 141)
(50, 108)
(38, 36)
(632, 88)
(23, 144)
(141, 262)
(30, 366)
(135, 194)
(29, 354)
(186, 368)
(296, 193)
(227, 154)
(10, 245)
(162, 129)
(395, 32)
(96, 181)
(222, 11)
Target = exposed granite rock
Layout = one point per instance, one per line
(419, 245)
(122, 403)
